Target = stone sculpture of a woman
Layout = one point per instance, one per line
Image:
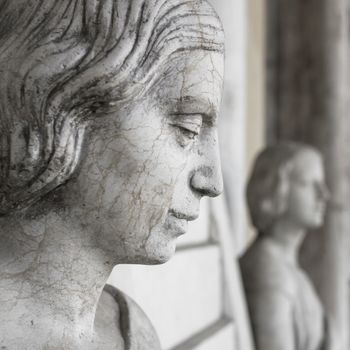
(287, 197)
(108, 140)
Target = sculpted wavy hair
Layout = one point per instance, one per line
(65, 61)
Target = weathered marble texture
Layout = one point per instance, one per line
(286, 196)
(108, 141)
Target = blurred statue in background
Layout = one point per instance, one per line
(108, 141)
(286, 196)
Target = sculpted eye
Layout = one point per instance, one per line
(188, 127)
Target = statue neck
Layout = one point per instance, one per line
(52, 276)
(288, 237)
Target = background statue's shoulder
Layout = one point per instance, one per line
(129, 321)
(264, 269)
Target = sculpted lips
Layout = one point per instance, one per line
(177, 222)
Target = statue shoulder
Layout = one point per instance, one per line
(133, 325)
(264, 269)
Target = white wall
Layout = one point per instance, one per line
(256, 86)
(233, 14)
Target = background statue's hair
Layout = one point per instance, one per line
(268, 185)
(64, 61)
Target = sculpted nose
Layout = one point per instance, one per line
(207, 181)
(207, 178)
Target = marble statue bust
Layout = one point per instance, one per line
(286, 196)
(108, 141)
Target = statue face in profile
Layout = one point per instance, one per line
(148, 165)
(308, 193)
(108, 141)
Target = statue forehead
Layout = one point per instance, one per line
(193, 76)
(307, 163)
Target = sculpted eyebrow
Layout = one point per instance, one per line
(196, 105)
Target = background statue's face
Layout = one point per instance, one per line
(308, 192)
(146, 167)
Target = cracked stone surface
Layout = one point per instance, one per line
(287, 197)
(108, 141)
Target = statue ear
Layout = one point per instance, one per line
(276, 203)
(274, 206)
(268, 206)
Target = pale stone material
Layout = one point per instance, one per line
(190, 272)
(108, 141)
(287, 196)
